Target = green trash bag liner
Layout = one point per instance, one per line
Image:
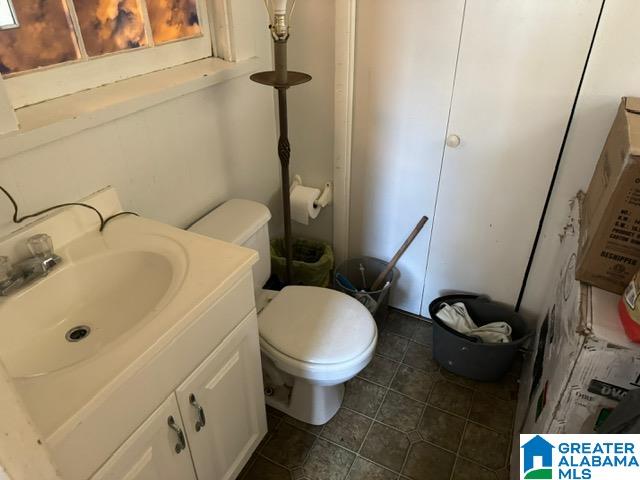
(312, 261)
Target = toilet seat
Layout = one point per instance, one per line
(317, 333)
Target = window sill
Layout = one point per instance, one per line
(58, 118)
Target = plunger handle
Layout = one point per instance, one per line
(399, 253)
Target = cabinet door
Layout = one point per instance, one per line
(519, 67)
(222, 404)
(155, 451)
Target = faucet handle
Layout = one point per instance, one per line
(40, 245)
(5, 269)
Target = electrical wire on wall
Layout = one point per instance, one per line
(16, 218)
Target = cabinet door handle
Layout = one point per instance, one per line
(182, 443)
(202, 421)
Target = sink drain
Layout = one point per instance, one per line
(78, 333)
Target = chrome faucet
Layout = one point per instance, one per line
(24, 272)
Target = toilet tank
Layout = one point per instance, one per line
(245, 223)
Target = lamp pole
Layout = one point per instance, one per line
(282, 79)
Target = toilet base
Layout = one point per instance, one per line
(310, 403)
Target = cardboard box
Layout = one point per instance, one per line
(609, 252)
(603, 374)
(581, 361)
(581, 372)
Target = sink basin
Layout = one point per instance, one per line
(80, 308)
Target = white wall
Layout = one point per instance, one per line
(171, 162)
(311, 50)
(613, 72)
(175, 161)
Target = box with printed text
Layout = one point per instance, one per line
(609, 252)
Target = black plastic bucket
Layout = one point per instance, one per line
(467, 356)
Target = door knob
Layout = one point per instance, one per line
(453, 141)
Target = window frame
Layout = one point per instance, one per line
(46, 83)
(241, 45)
(8, 4)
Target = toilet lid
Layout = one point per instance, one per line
(317, 325)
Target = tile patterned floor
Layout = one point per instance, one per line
(403, 417)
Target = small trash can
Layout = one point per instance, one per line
(312, 262)
(467, 356)
(356, 276)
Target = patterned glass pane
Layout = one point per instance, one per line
(45, 37)
(110, 25)
(173, 19)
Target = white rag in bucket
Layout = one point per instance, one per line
(457, 317)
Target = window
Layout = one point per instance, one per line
(57, 47)
(7, 15)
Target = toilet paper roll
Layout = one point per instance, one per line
(302, 199)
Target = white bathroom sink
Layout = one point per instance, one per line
(80, 308)
(142, 288)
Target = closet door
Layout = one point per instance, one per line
(519, 66)
(404, 68)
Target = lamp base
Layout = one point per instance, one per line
(269, 78)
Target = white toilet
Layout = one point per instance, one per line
(312, 339)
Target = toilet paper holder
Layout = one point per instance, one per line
(326, 194)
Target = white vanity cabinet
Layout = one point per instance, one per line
(222, 405)
(209, 426)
